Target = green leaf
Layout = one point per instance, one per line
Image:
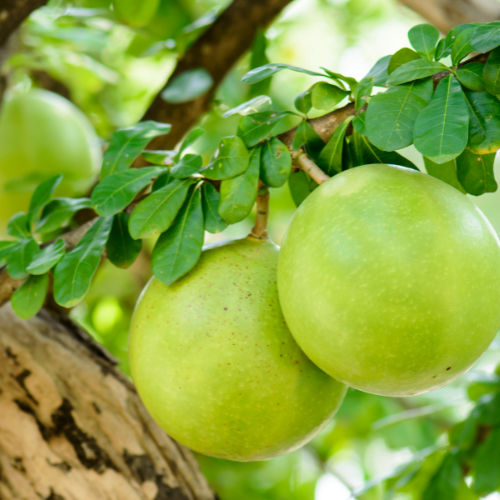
(491, 72)
(162, 181)
(230, 160)
(20, 258)
(363, 92)
(127, 143)
(379, 71)
(258, 74)
(484, 125)
(330, 159)
(187, 166)
(158, 157)
(117, 191)
(446, 482)
(391, 115)
(303, 102)
(210, 199)
(47, 258)
(238, 195)
(18, 226)
(42, 195)
(462, 45)
(155, 214)
(121, 248)
(413, 70)
(305, 134)
(28, 299)
(257, 127)
(487, 411)
(442, 50)
(486, 37)
(255, 105)
(59, 211)
(363, 152)
(191, 138)
(351, 82)
(475, 173)
(487, 464)
(471, 76)
(258, 58)
(423, 39)
(188, 86)
(179, 248)
(74, 272)
(326, 96)
(5, 248)
(401, 57)
(301, 186)
(442, 128)
(359, 123)
(446, 172)
(452, 36)
(276, 163)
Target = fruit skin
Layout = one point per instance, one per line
(389, 280)
(135, 12)
(215, 364)
(42, 135)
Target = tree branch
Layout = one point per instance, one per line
(13, 13)
(217, 51)
(445, 14)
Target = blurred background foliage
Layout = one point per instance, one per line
(376, 447)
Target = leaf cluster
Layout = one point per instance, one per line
(449, 112)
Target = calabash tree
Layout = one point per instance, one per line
(63, 400)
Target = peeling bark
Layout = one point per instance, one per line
(73, 428)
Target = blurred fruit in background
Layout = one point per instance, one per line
(42, 135)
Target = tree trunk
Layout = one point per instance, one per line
(73, 428)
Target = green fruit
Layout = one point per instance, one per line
(42, 135)
(215, 364)
(135, 12)
(389, 280)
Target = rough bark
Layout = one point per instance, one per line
(217, 50)
(73, 428)
(445, 14)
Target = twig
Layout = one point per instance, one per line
(259, 231)
(309, 167)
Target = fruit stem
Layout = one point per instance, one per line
(303, 162)
(259, 231)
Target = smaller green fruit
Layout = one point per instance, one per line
(216, 366)
(135, 13)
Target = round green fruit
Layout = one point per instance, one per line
(215, 364)
(135, 13)
(42, 135)
(389, 280)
